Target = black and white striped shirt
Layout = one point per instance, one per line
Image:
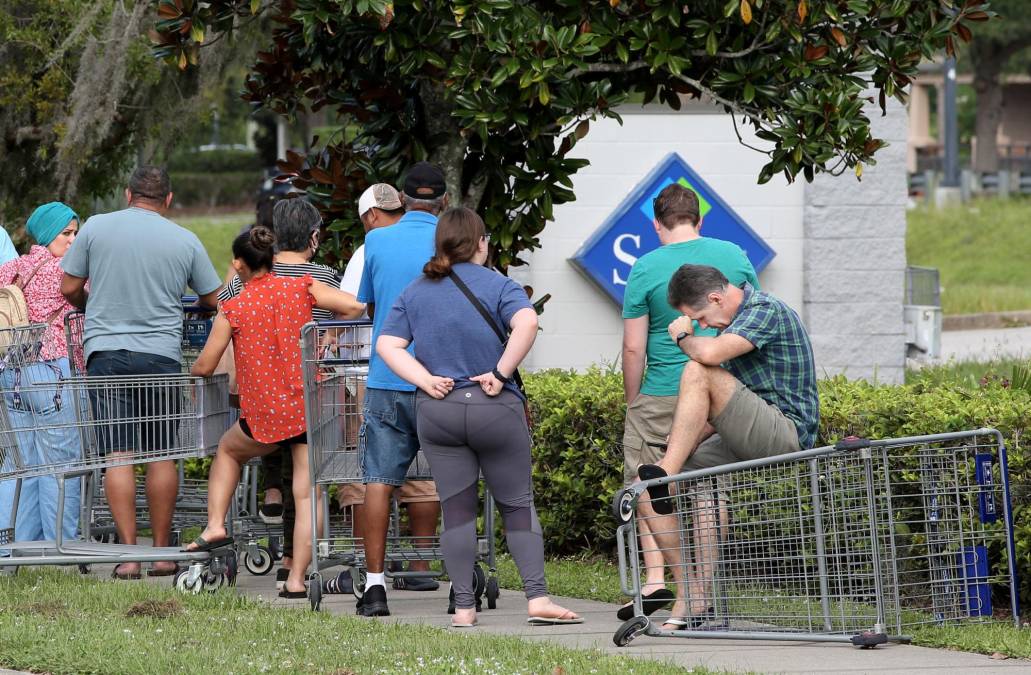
(326, 275)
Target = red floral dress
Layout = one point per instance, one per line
(42, 296)
(266, 319)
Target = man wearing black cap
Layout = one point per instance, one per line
(388, 442)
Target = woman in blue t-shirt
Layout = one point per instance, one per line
(469, 412)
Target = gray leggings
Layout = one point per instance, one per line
(462, 434)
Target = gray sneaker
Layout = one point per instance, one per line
(415, 584)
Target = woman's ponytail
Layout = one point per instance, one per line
(457, 240)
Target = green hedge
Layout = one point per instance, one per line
(580, 422)
(216, 161)
(238, 188)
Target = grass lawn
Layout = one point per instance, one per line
(595, 579)
(216, 233)
(964, 373)
(58, 622)
(983, 250)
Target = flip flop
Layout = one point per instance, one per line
(164, 573)
(464, 625)
(203, 545)
(659, 494)
(293, 595)
(131, 576)
(651, 603)
(549, 621)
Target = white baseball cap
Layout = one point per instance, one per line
(380, 195)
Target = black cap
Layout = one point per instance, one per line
(424, 181)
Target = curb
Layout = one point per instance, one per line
(1015, 319)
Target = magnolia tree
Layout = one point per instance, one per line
(499, 91)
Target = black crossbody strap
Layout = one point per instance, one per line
(475, 302)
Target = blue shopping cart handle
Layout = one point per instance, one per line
(191, 305)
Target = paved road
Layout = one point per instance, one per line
(986, 345)
(596, 633)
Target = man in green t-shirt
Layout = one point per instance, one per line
(649, 354)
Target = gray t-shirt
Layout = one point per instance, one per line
(138, 264)
(451, 338)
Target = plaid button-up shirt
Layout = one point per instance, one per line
(780, 369)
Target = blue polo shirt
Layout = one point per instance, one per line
(394, 258)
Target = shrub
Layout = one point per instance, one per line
(216, 189)
(225, 160)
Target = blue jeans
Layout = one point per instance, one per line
(387, 441)
(41, 440)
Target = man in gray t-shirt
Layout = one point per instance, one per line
(138, 264)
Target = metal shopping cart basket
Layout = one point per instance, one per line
(120, 421)
(858, 542)
(335, 358)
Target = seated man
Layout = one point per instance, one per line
(748, 393)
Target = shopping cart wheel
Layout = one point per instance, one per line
(479, 581)
(629, 630)
(275, 547)
(315, 592)
(869, 640)
(259, 564)
(623, 506)
(493, 591)
(181, 582)
(358, 584)
(232, 568)
(84, 569)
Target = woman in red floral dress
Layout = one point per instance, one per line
(264, 324)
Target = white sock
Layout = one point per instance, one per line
(375, 579)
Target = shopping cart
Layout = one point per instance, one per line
(858, 542)
(118, 421)
(335, 358)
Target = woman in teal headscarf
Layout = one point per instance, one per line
(39, 273)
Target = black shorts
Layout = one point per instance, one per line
(136, 415)
(285, 443)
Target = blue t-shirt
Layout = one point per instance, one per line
(7, 250)
(451, 338)
(138, 264)
(394, 257)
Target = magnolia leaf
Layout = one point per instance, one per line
(859, 170)
(255, 6)
(814, 52)
(182, 59)
(803, 11)
(197, 33)
(746, 12)
(838, 35)
(582, 129)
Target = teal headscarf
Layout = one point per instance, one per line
(48, 221)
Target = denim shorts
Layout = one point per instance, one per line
(134, 418)
(387, 441)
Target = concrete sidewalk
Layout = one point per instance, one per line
(596, 633)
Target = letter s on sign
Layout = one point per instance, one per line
(624, 257)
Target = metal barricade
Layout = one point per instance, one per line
(858, 542)
(335, 357)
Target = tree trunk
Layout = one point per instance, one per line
(987, 65)
(445, 144)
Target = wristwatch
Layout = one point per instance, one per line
(499, 377)
(681, 336)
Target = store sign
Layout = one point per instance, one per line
(606, 258)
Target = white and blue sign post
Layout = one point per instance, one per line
(606, 258)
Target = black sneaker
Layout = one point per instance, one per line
(340, 584)
(374, 602)
(415, 584)
(271, 514)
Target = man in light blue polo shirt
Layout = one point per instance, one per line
(138, 264)
(388, 442)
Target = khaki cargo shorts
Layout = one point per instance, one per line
(411, 492)
(748, 428)
(648, 419)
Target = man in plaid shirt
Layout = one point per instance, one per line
(747, 393)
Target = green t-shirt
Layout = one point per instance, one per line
(646, 296)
